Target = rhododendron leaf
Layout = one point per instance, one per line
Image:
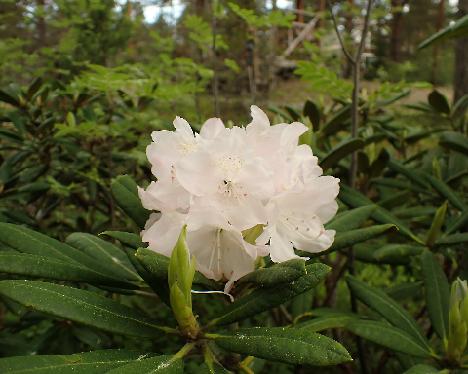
(355, 199)
(289, 345)
(388, 308)
(437, 293)
(159, 364)
(350, 219)
(124, 190)
(80, 306)
(104, 253)
(422, 369)
(49, 268)
(450, 240)
(445, 191)
(436, 225)
(28, 241)
(340, 151)
(96, 362)
(127, 238)
(388, 336)
(327, 322)
(279, 273)
(265, 298)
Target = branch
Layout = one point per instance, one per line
(365, 29)
(335, 25)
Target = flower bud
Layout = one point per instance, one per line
(180, 276)
(458, 320)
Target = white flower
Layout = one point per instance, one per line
(226, 180)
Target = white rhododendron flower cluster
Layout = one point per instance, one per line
(224, 181)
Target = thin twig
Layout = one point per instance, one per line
(340, 40)
(215, 74)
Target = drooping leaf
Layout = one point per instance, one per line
(351, 219)
(388, 308)
(105, 253)
(159, 364)
(45, 267)
(96, 362)
(457, 29)
(341, 151)
(437, 293)
(445, 191)
(283, 272)
(454, 141)
(422, 369)
(388, 336)
(289, 345)
(396, 253)
(125, 193)
(28, 241)
(265, 298)
(312, 111)
(80, 306)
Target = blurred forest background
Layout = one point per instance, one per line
(84, 82)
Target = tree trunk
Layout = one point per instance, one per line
(41, 25)
(460, 79)
(435, 50)
(396, 26)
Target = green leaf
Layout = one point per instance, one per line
(396, 253)
(409, 290)
(80, 306)
(341, 151)
(265, 298)
(312, 112)
(104, 253)
(125, 193)
(355, 199)
(455, 141)
(289, 345)
(337, 122)
(413, 175)
(453, 239)
(422, 369)
(283, 272)
(9, 99)
(327, 322)
(437, 293)
(350, 238)
(457, 223)
(439, 102)
(445, 191)
(457, 29)
(388, 336)
(28, 241)
(45, 267)
(351, 219)
(127, 238)
(96, 362)
(159, 364)
(388, 308)
(436, 226)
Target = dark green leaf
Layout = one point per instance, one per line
(422, 369)
(159, 364)
(341, 151)
(104, 253)
(455, 141)
(445, 191)
(439, 102)
(80, 306)
(312, 112)
(380, 302)
(351, 219)
(436, 226)
(50, 268)
(125, 193)
(265, 298)
(283, 272)
(327, 322)
(349, 238)
(290, 345)
(458, 223)
(388, 336)
(96, 362)
(437, 293)
(127, 238)
(337, 122)
(458, 29)
(9, 99)
(453, 239)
